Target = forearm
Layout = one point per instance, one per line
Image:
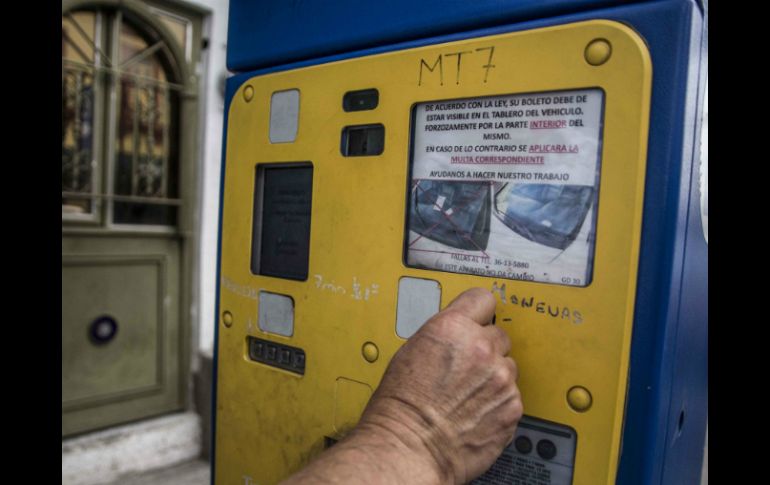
(372, 457)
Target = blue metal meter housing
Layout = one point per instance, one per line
(667, 404)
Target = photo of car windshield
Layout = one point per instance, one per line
(551, 215)
(453, 213)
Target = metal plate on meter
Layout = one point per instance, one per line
(541, 453)
(532, 160)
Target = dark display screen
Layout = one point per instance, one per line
(281, 235)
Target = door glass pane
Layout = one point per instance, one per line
(131, 44)
(78, 57)
(77, 37)
(179, 28)
(146, 167)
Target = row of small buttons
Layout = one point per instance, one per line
(277, 355)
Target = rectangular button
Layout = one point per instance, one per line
(299, 359)
(258, 348)
(285, 356)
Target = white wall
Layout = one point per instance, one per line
(215, 30)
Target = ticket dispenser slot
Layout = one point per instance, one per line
(360, 141)
(517, 166)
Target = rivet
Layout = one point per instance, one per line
(227, 319)
(248, 93)
(598, 52)
(370, 351)
(579, 399)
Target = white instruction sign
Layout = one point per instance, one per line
(507, 186)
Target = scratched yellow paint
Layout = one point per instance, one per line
(270, 422)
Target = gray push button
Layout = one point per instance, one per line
(276, 314)
(418, 300)
(284, 116)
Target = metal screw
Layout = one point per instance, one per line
(370, 351)
(579, 399)
(227, 319)
(248, 93)
(598, 52)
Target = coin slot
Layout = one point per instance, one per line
(276, 315)
(363, 140)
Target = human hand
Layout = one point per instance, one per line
(449, 396)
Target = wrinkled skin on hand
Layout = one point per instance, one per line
(449, 394)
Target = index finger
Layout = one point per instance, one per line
(477, 304)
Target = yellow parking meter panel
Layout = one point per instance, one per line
(362, 195)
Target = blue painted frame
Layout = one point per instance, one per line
(668, 376)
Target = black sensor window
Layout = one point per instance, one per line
(362, 100)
